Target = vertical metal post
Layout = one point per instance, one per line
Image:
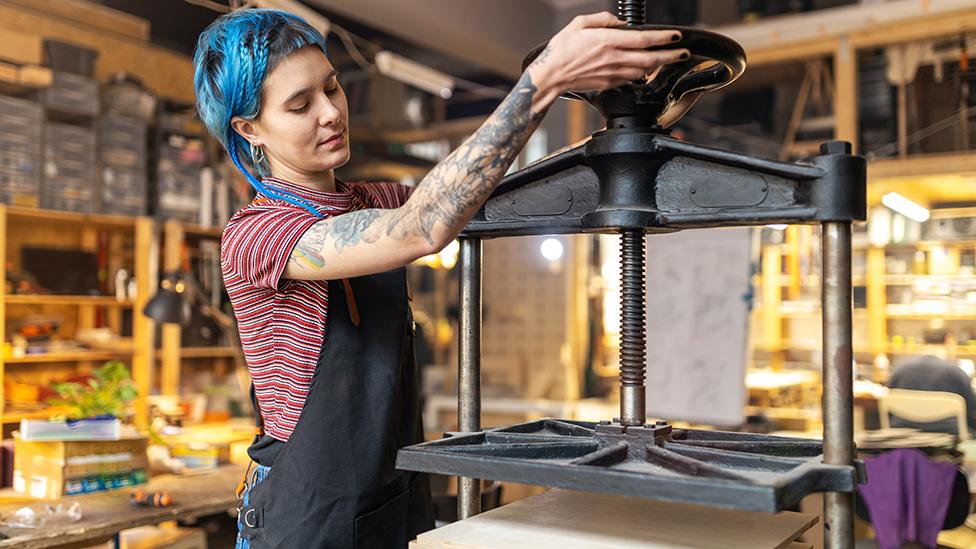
(469, 364)
(838, 376)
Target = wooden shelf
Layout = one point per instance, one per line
(787, 345)
(918, 349)
(71, 218)
(37, 299)
(75, 356)
(203, 352)
(908, 279)
(206, 352)
(931, 316)
(202, 231)
(811, 281)
(15, 417)
(815, 313)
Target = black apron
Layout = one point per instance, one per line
(333, 484)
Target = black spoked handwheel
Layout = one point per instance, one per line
(716, 61)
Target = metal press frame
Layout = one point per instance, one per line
(633, 179)
(838, 396)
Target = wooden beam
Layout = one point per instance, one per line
(3, 301)
(877, 302)
(771, 299)
(798, 37)
(167, 73)
(845, 93)
(921, 28)
(922, 164)
(89, 14)
(142, 333)
(786, 52)
(170, 346)
(21, 47)
(576, 128)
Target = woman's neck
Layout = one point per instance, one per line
(322, 181)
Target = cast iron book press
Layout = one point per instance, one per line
(633, 179)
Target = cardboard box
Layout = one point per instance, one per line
(201, 455)
(35, 76)
(8, 72)
(52, 469)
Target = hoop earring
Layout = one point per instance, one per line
(257, 155)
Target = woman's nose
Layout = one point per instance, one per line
(329, 114)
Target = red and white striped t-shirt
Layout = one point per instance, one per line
(281, 321)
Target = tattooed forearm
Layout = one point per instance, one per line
(440, 205)
(453, 190)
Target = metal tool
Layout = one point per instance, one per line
(633, 179)
(143, 498)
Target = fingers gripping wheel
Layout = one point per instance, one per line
(716, 61)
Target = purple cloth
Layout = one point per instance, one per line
(907, 495)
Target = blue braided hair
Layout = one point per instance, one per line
(232, 58)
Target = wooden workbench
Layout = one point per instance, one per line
(106, 513)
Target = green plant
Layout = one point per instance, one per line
(106, 393)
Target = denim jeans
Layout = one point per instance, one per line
(256, 477)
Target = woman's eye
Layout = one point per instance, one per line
(303, 108)
(332, 90)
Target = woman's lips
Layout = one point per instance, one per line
(335, 141)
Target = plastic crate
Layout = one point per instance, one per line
(71, 93)
(67, 57)
(122, 191)
(129, 99)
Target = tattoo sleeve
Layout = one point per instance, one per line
(447, 196)
(458, 185)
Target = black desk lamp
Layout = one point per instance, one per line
(169, 304)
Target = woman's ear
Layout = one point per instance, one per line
(247, 130)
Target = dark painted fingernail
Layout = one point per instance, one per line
(675, 37)
(684, 56)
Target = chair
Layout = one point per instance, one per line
(923, 407)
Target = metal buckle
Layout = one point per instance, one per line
(246, 521)
(240, 499)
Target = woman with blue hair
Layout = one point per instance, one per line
(314, 266)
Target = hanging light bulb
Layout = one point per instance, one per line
(551, 249)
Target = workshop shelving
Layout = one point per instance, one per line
(126, 243)
(50, 299)
(891, 328)
(77, 356)
(180, 241)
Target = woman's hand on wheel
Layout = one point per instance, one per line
(593, 53)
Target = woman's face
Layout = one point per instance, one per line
(303, 124)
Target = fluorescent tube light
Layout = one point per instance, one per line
(413, 73)
(314, 18)
(905, 207)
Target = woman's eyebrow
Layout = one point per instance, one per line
(305, 90)
(297, 94)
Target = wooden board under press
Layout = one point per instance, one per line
(559, 519)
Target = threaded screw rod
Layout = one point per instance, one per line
(633, 344)
(631, 11)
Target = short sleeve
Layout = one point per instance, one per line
(258, 242)
(383, 195)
